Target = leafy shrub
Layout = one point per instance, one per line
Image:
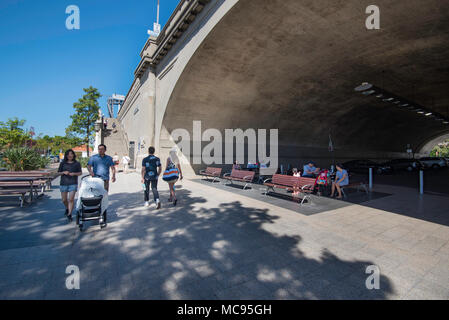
(83, 162)
(45, 161)
(22, 158)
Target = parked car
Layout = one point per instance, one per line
(403, 164)
(362, 166)
(433, 162)
(54, 159)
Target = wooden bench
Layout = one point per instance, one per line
(37, 184)
(21, 192)
(354, 185)
(301, 185)
(240, 175)
(45, 177)
(211, 172)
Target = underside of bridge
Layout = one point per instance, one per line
(293, 65)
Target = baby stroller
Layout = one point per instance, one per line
(92, 203)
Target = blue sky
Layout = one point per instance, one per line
(44, 67)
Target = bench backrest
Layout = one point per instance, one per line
(213, 171)
(302, 181)
(24, 174)
(240, 174)
(284, 180)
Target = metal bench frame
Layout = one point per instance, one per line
(210, 175)
(227, 176)
(303, 191)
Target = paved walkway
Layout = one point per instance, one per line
(218, 244)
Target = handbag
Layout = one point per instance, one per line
(170, 175)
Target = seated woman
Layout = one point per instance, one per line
(341, 179)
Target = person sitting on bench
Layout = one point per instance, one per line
(296, 173)
(342, 179)
(310, 171)
(236, 166)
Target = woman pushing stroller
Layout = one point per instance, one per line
(69, 170)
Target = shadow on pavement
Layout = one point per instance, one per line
(190, 251)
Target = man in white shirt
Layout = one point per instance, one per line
(125, 161)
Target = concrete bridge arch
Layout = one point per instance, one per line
(293, 65)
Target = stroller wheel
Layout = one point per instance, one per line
(81, 227)
(103, 225)
(77, 218)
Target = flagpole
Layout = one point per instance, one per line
(331, 149)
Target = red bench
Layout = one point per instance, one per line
(301, 185)
(211, 172)
(240, 175)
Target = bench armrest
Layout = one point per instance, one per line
(266, 180)
(307, 186)
(201, 171)
(227, 174)
(247, 177)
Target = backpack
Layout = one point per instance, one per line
(322, 179)
(151, 168)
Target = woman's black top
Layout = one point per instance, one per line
(75, 166)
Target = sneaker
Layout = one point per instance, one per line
(158, 204)
(147, 204)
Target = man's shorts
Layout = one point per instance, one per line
(69, 188)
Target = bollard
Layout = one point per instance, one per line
(421, 181)
(370, 178)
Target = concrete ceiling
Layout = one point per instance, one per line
(294, 64)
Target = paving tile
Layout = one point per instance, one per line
(225, 246)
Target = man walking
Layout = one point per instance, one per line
(151, 169)
(100, 164)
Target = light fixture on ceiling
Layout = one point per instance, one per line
(363, 87)
(368, 89)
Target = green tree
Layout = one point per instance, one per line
(440, 150)
(12, 134)
(56, 143)
(86, 113)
